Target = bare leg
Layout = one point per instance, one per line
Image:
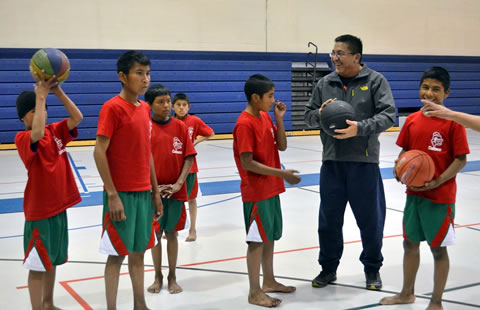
(172, 253)
(270, 285)
(35, 282)
(157, 264)
(192, 233)
(137, 275)
(112, 275)
(256, 296)
(440, 275)
(411, 262)
(48, 287)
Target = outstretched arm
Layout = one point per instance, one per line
(42, 88)
(431, 109)
(75, 115)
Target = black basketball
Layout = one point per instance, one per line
(334, 114)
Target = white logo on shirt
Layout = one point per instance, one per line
(150, 131)
(61, 148)
(177, 146)
(190, 132)
(273, 136)
(437, 142)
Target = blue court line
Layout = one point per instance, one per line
(208, 188)
(75, 168)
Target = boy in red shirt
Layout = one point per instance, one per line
(124, 161)
(173, 153)
(256, 141)
(430, 210)
(199, 132)
(51, 187)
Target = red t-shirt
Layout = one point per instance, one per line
(196, 127)
(171, 144)
(129, 129)
(51, 187)
(257, 135)
(443, 140)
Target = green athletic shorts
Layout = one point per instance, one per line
(192, 186)
(263, 220)
(174, 215)
(426, 220)
(45, 242)
(135, 234)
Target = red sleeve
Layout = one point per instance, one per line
(245, 139)
(203, 129)
(23, 144)
(459, 136)
(61, 131)
(402, 140)
(106, 121)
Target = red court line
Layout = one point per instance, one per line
(75, 295)
(86, 306)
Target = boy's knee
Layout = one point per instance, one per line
(115, 260)
(439, 253)
(411, 247)
(171, 236)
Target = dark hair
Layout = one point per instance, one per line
(154, 91)
(25, 103)
(181, 96)
(128, 59)
(257, 84)
(437, 73)
(354, 44)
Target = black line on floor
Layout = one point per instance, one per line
(396, 210)
(457, 288)
(364, 307)
(308, 190)
(294, 279)
(473, 228)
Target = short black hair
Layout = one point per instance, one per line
(128, 60)
(257, 84)
(156, 90)
(25, 103)
(437, 73)
(181, 96)
(354, 43)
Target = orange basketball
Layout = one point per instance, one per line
(415, 168)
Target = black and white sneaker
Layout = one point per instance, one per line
(324, 278)
(373, 281)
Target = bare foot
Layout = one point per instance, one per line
(50, 307)
(156, 286)
(173, 287)
(192, 236)
(262, 299)
(434, 306)
(398, 299)
(278, 288)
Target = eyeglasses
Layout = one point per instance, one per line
(339, 54)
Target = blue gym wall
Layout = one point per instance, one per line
(214, 82)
